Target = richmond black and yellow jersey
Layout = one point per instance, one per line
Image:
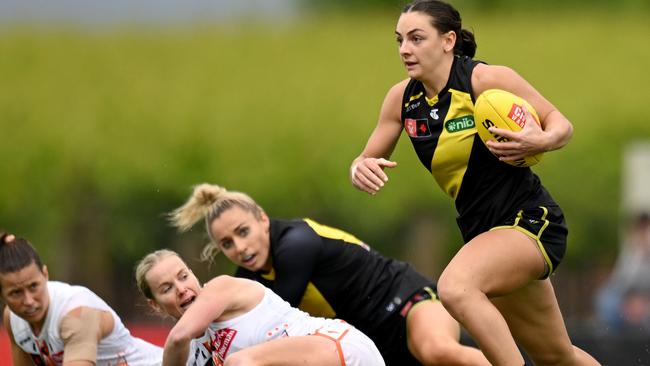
(328, 272)
(444, 135)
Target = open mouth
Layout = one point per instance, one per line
(31, 312)
(185, 304)
(248, 259)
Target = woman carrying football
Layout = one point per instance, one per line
(497, 285)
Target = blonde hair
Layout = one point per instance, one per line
(208, 202)
(144, 266)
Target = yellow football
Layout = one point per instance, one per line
(502, 109)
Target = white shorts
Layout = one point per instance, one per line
(354, 347)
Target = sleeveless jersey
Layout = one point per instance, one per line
(442, 130)
(272, 318)
(330, 273)
(118, 348)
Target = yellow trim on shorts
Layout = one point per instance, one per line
(532, 236)
(434, 298)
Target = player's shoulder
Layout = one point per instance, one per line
(223, 284)
(64, 290)
(397, 90)
(293, 240)
(299, 232)
(391, 107)
(486, 76)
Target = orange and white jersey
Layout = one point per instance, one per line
(118, 348)
(274, 318)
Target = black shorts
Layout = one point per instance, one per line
(545, 225)
(391, 337)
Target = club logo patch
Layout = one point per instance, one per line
(45, 356)
(220, 343)
(460, 124)
(417, 127)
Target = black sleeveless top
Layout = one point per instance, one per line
(486, 191)
(328, 272)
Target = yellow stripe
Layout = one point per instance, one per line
(449, 161)
(431, 293)
(434, 298)
(314, 303)
(431, 102)
(536, 237)
(412, 98)
(269, 276)
(332, 233)
(545, 213)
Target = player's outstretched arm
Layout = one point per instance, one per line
(82, 329)
(215, 298)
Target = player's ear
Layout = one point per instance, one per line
(264, 218)
(46, 273)
(154, 306)
(266, 224)
(449, 41)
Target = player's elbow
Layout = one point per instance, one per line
(560, 131)
(567, 133)
(177, 337)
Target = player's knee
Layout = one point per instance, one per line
(241, 358)
(451, 291)
(554, 358)
(437, 351)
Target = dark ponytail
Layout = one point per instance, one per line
(445, 18)
(465, 44)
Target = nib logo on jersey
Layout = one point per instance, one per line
(460, 124)
(417, 127)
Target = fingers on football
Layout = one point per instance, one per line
(502, 147)
(512, 157)
(511, 135)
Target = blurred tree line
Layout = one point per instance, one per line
(465, 5)
(104, 132)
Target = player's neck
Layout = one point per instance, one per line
(437, 80)
(37, 327)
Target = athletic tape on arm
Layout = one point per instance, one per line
(81, 333)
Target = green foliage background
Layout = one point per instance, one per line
(103, 132)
